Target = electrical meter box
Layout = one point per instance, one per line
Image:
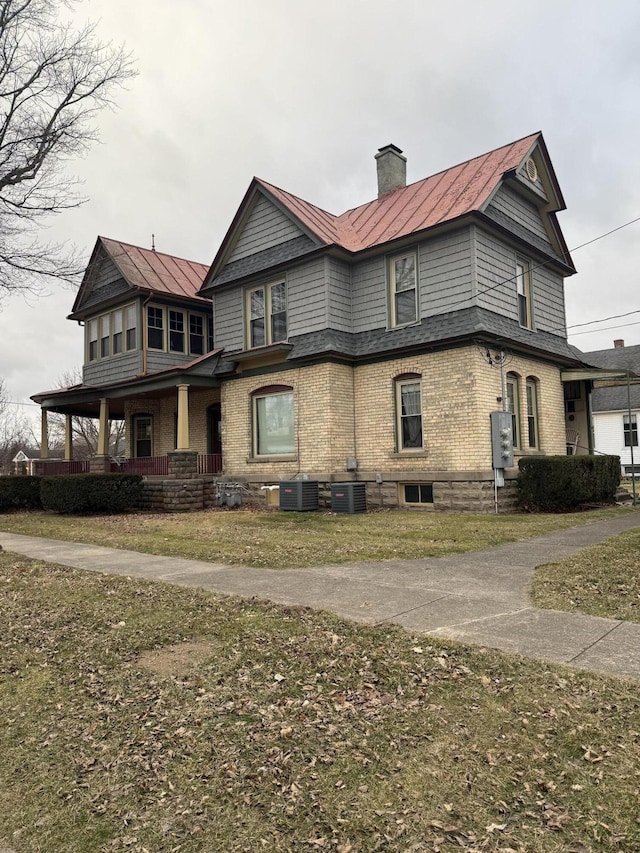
(502, 439)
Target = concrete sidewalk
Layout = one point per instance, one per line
(479, 597)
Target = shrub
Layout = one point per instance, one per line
(20, 493)
(91, 492)
(551, 483)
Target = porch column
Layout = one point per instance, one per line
(182, 441)
(68, 438)
(44, 435)
(103, 430)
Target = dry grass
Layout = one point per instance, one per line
(287, 540)
(143, 717)
(603, 580)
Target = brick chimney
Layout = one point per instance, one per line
(392, 169)
(618, 343)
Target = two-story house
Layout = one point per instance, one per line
(370, 345)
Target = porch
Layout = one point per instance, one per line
(145, 466)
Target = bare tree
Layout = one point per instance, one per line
(14, 432)
(54, 80)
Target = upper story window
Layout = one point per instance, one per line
(523, 288)
(409, 413)
(266, 311)
(403, 289)
(178, 331)
(155, 327)
(106, 333)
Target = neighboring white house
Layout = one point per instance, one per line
(615, 409)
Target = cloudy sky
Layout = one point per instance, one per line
(303, 94)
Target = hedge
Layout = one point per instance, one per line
(552, 483)
(20, 492)
(79, 493)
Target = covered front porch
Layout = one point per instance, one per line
(166, 414)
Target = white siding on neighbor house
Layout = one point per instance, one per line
(510, 203)
(307, 298)
(339, 285)
(445, 273)
(266, 226)
(228, 329)
(608, 436)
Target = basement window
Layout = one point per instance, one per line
(416, 494)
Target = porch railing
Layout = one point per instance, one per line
(209, 463)
(55, 467)
(146, 466)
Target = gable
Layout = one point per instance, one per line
(103, 281)
(508, 207)
(266, 226)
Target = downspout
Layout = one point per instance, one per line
(633, 467)
(144, 334)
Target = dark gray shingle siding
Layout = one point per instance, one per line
(262, 261)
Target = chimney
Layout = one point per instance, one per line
(392, 169)
(618, 343)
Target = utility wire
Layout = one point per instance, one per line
(604, 320)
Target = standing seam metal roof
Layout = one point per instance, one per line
(432, 201)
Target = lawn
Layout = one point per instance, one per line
(139, 716)
(603, 580)
(288, 539)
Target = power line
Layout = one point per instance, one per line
(606, 329)
(604, 320)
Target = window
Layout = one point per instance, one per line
(267, 315)
(523, 287)
(104, 336)
(196, 334)
(416, 493)
(273, 429)
(93, 340)
(630, 431)
(404, 289)
(117, 331)
(155, 328)
(131, 322)
(142, 435)
(209, 333)
(409, 413)
(176, 331)
(532, 412)
(513, 406)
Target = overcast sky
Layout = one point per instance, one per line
(303, 94)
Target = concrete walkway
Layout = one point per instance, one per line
(480, 597)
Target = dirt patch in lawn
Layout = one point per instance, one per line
(176, 660)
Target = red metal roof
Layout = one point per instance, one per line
(156, 271)
(432, 201)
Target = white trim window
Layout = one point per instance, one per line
(92, 334)
(532, 412)
(176, 330)
(266, 308)
(106, 333)
(630, 428)
(403, 286)
(513, 406)
(409, 414)
(155, 327)
(273, 423)
(116, 327)
(523, 288)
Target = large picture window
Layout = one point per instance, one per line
(409, 413)
(273, 423)
(266, 314)
(403, 285)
